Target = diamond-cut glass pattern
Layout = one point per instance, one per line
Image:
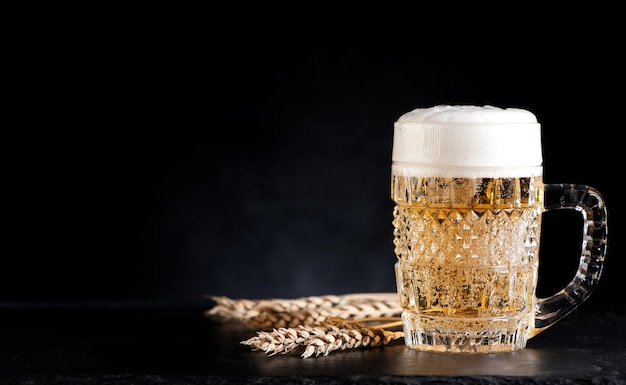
(467, 245)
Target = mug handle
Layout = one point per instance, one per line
(590, 204)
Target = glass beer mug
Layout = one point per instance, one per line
(469, 197)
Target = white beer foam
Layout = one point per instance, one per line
(463, 140)
(468, 114)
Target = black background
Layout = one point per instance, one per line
(165, 157)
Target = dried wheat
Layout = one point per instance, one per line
(270, 319)
(273, 313)
(321, 338)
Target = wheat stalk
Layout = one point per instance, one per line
(270, 319)
(317, 324)
(322, 338)
(280, 312)
(247, 308)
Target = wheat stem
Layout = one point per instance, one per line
(315, 325)
(321, 339)
(388, 325)
(270, 313)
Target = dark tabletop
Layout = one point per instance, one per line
(149, 344)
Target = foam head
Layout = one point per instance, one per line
(467, 141)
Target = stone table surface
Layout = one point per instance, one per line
(148, 344)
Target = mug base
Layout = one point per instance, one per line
(465, 334)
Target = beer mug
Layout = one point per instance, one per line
(469, 197)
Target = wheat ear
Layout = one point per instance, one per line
(275, 313)
(322, 338)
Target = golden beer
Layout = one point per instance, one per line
(467, 265)
(469, 197)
